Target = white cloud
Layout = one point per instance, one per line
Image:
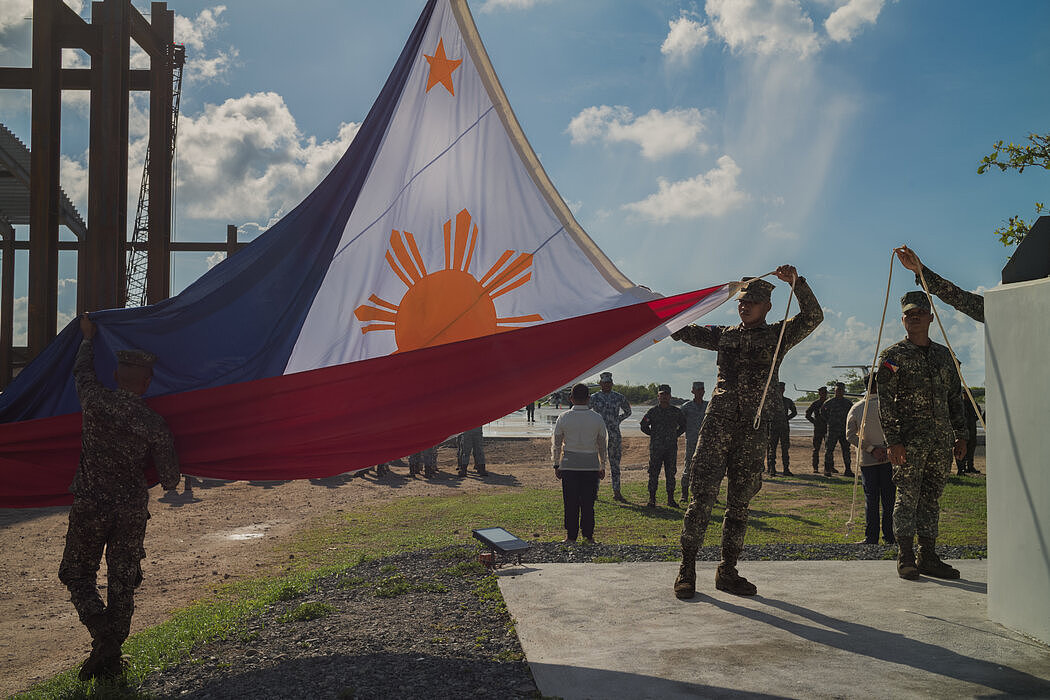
(685, 38)
(495, 5)
(214, 68)
(714, 194)
(195, 33)
(658, 133)
(67, 311)
(763, 26)
(845, 22)
(777, 230)
(73, 178)
(246, 158)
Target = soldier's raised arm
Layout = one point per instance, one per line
(969, 303)
(809, 315)
(84, 378)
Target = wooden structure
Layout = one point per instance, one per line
(102, 248)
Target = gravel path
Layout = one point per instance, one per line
(429, 623)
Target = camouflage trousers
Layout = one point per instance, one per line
(829, 452)
(471, 442)
(920, 482)
(727, 447)
(425, 460)
(690, 450)
(665, 459)
(820, 433)
(615, 448)
(779, 435)
(92, 529)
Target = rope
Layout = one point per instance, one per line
(867, 396)
(955, 361)
(776, 353)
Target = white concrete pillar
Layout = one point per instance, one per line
(1017, 375)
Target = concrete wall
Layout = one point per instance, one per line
(1017, 374)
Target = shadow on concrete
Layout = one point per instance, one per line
(890, 646)
(580, 682)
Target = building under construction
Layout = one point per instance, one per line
(117, 265)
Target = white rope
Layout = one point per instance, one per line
(776, 353)
(955, 361)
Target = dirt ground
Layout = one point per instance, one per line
(224, 531)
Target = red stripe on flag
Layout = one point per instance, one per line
(338, 419)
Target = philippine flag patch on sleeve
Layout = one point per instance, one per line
(890, 365)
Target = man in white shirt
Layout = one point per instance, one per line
(578, 450)
(874, 466)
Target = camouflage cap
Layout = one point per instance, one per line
(136, 358)
(698, 386)
(605, 377)
(664, 387)
(756, 290)
(915, 300)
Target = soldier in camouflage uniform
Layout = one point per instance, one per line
(969, 303)
(471, 441)
(663, 423)
(729, 442)
(613, 407)
(694, 415)
(780, 433)
(922, 416)
(820, 426)
(425, 461)
(121, 436)
(834, 412)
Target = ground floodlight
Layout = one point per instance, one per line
(501, 542)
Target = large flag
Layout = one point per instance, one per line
(434, 281)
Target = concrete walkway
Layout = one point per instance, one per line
(817, 629)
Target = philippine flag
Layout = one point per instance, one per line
(434, 281)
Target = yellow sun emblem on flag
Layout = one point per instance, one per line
(447, 305)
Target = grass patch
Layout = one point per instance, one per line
(466, 568)
(463, 551)
(352, 581)
(607, 560)
(430, 587)
(392, 586)
(307, 611)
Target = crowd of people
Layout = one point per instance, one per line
(907, 430)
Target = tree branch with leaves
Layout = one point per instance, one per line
(1035, 154)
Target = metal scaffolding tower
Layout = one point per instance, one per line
(137, 269)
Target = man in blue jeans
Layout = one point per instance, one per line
(578, 450)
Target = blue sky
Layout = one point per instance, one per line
(696, 142)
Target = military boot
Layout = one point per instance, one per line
(652, 500)
(685, 583)
(461, 470)
(727, 579)
(906, 568)
(671, 503)
(930, 564)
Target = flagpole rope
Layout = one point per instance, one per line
(776, 353)
(955, 361)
